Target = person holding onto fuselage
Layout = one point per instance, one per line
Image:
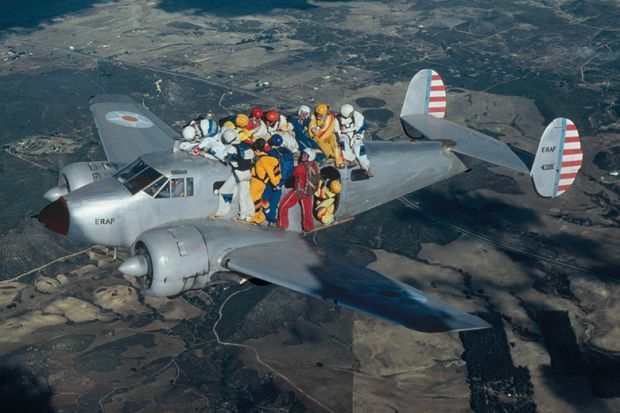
(277, 124)
(266, 172)
(257, 125)
(271, 196)
(352, 127)
(240, 160)
(323, 129)
(300, 123)
(197, 130)
(305, 173)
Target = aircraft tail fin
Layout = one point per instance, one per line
(558, 158)
(426, 95)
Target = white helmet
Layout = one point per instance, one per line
(303, 109)
(346, 110)
(311, 154)
(189, 133)
(229, 136)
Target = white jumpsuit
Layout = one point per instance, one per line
(284, 129)
(352, 139)
(238, 181)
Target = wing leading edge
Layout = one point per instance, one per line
(307, 269)
(128, 130)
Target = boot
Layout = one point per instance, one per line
(368, 173)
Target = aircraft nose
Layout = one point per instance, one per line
(55, 216)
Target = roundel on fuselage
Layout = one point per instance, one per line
(128, 119)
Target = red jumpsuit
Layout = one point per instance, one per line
(299, 194)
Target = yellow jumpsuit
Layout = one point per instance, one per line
(324, 203)
(265, 172)
(324, 134)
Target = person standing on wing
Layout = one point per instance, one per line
(352, 128)
(306, 175)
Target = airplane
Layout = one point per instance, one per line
(127, 201)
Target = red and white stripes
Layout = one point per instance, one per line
(436, 96)
(572, 158)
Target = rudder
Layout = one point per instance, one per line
(558, 158)
(426, 95)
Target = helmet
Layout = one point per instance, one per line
(272, 116)
(189, 133)
(303, 109)
(311, 154)
(229, 136)
(335, 186)
(242, 120)
(321, 109)
(257, 113)
(276, 140)
(346, 110)
(259, 144)
(228, 124)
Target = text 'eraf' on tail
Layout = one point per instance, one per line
(558, 158)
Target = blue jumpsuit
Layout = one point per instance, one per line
(303, 139)
(273, 194)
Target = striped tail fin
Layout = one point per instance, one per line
(426, 95)
(558, 158)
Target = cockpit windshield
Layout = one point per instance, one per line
(130, 170)
(142, 180)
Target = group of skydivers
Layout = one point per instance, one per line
(261, 149)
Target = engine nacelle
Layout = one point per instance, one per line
(169, 261)
(79, 174)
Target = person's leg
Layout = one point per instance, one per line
(307, 219)
(226, 194)
(288, 201)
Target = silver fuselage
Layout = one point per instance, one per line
(106, 212)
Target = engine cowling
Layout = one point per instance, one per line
(169, 261)
(79, 174)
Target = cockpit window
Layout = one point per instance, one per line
(177, 187)
(130, 170)
(142, 180)
(190, 187)
(152, 190)
(165, 191)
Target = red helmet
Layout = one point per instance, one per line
(272, 116)
(257, 113)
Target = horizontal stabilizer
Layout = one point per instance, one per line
(302, 267)
(467, 141)
(558, 158)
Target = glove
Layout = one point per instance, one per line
(196, 150)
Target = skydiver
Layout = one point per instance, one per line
(266, 172)
(240, 161)
(306, 175)
(271, 196)
(196, 130)
(352, 127)
(322, 129)
(300, 124)
(218, 147)
(277, 124)
(257, 125)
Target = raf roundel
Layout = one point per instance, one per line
(128, 119)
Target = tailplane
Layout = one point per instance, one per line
(558, 158)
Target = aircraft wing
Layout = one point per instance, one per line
(128, 130)
(307, 269)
